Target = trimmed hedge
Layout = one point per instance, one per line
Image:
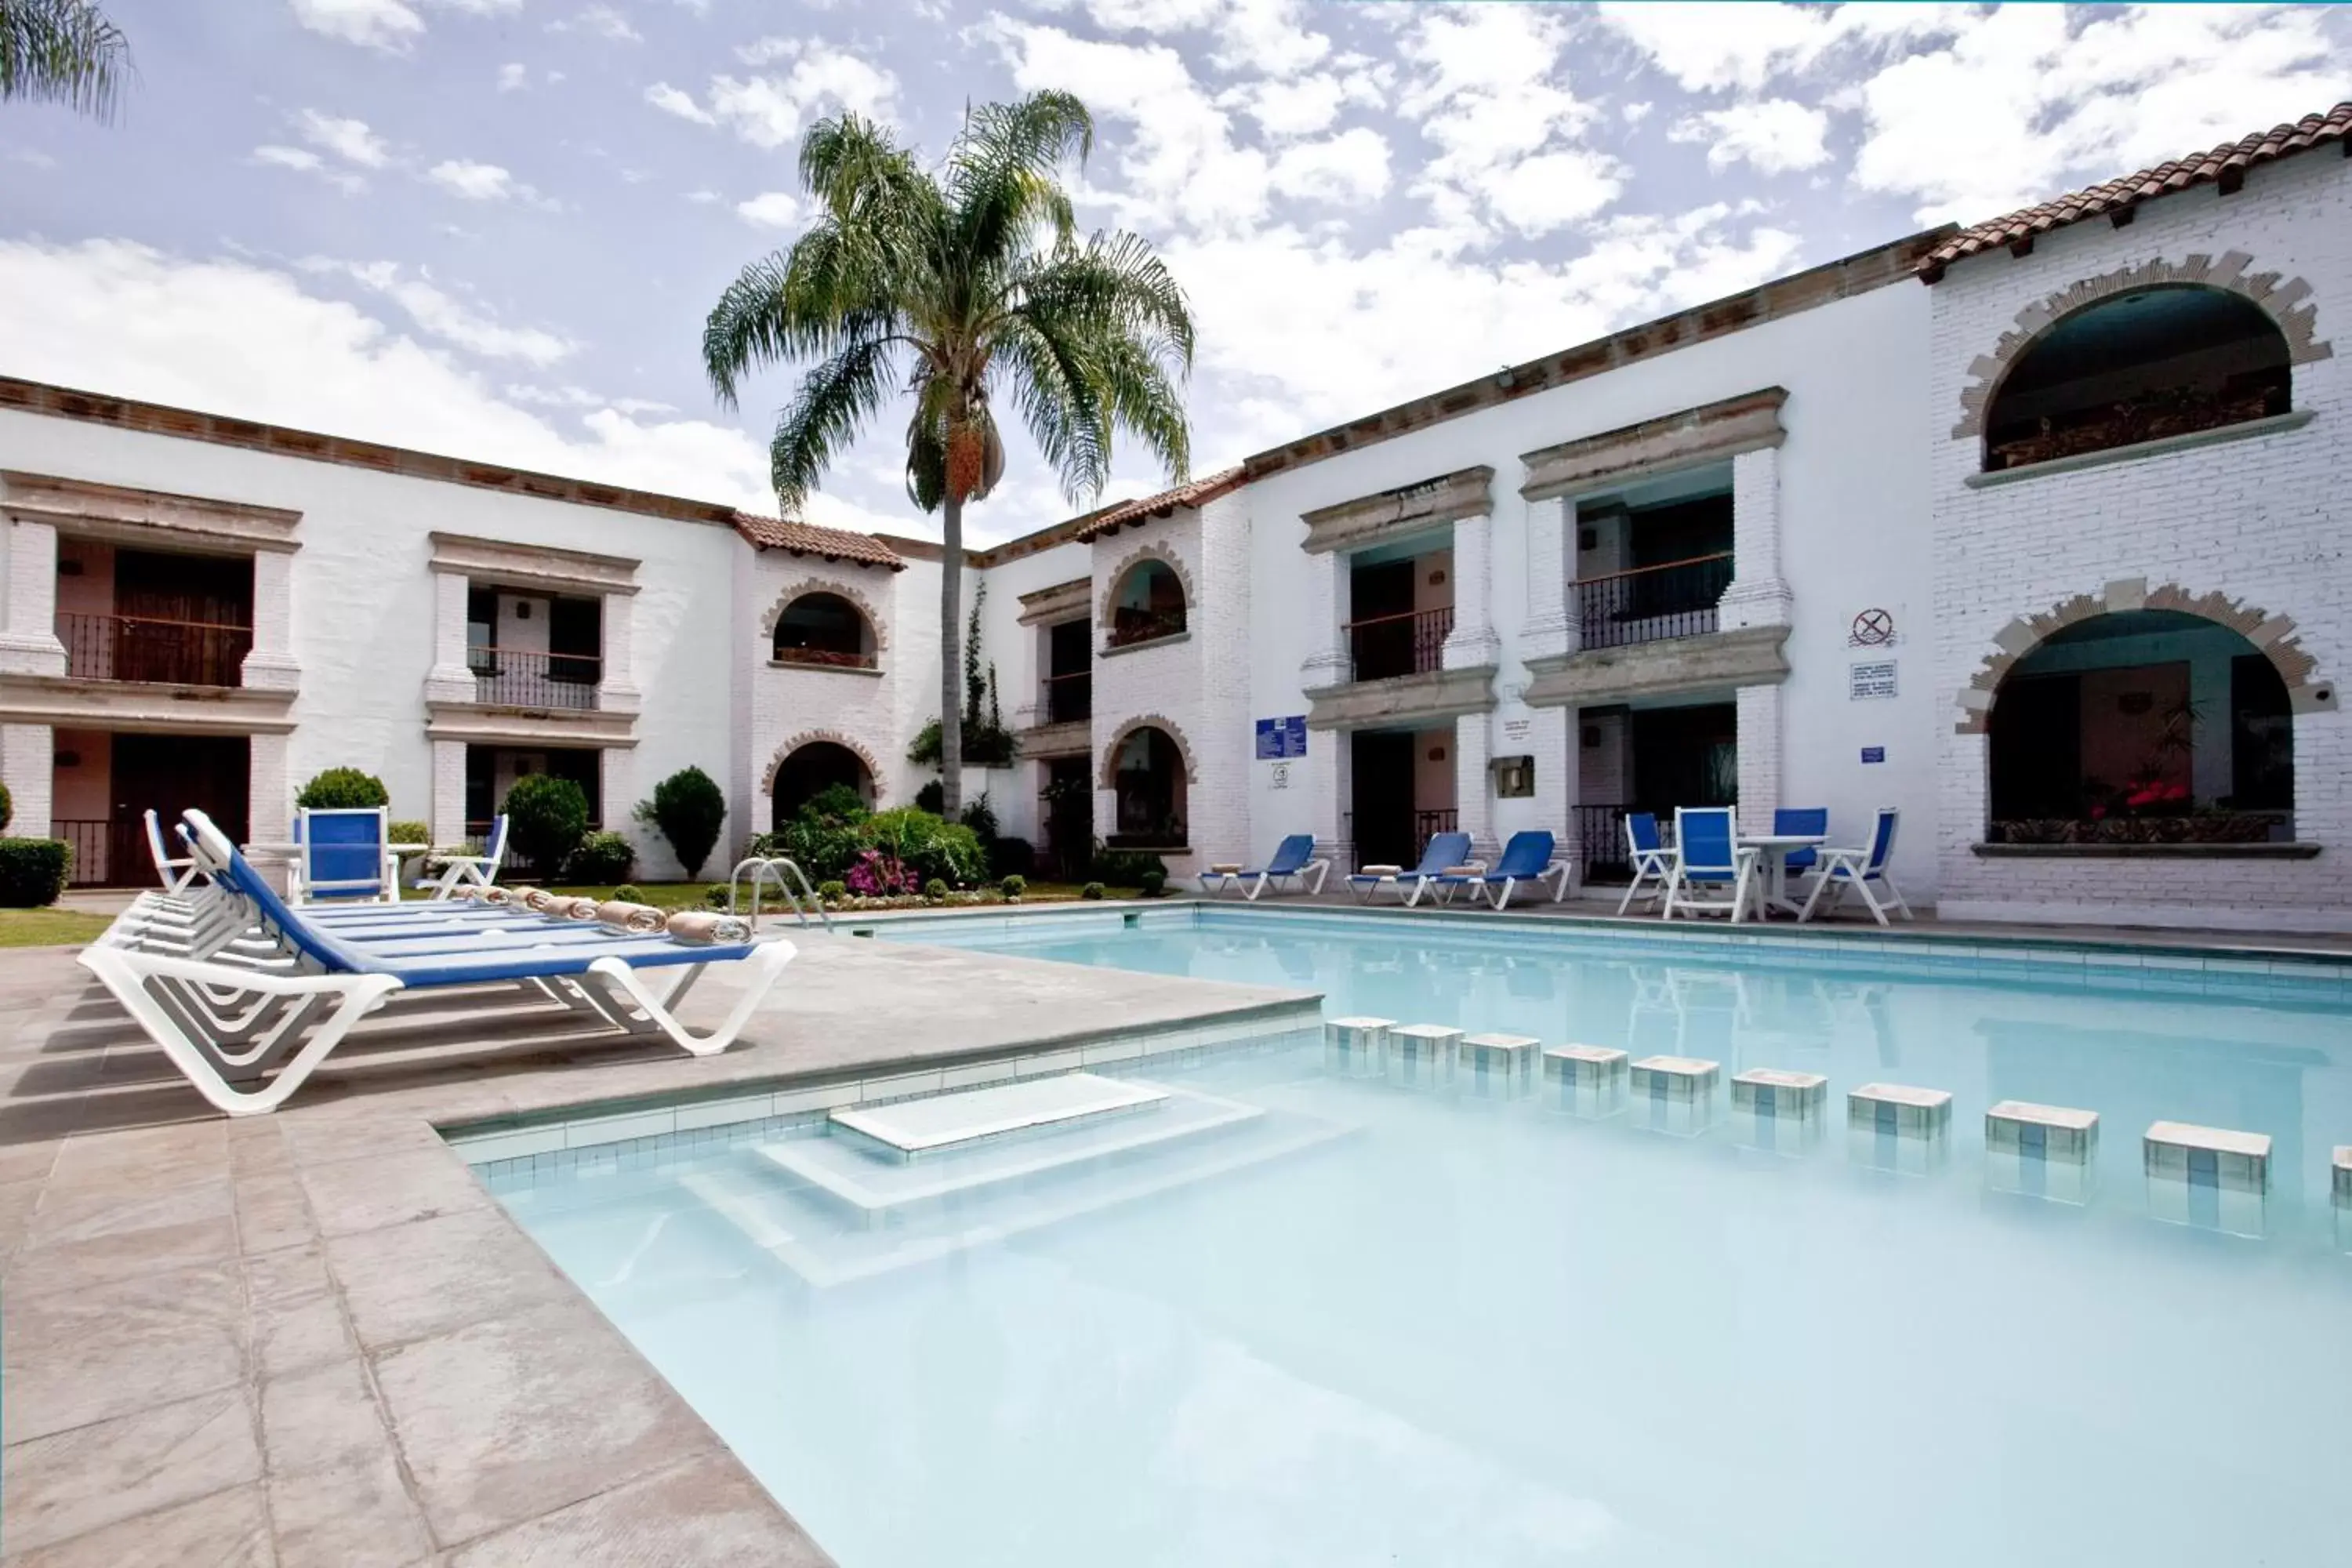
(601, 859)
(689, 808)
(343, 788)
(8, 809)
(33, 871)
(546, 818)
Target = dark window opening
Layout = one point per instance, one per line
(1150, 603)
(810, 770)
(1148, 777)
(824, 629)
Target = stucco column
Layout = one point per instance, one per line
(1474, 642)
(1331, 786)
(271, 665)
(449, 806)
(616, 692)
(1325, 610)
(27, 766)
(1474, 782)
(1550, 628)
(1551, 740)
(28, 642)
(617, 767)
(1758, 596)
(449, 681)
(1759, 756)
(269, 793)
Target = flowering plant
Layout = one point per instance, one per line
(878, 876)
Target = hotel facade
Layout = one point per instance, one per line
(2033, 531)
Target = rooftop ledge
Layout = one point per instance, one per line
(2246, 431)
(2295, 851)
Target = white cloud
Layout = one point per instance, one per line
(385, 25)
(769, 109)
(769, 209)
(1773, 136)
(303, 160)
(601, 22)
(675, 100)
(1264, 36)
(1353, 166)
(1298, 107)
(477, 181)
(513, 75)
(349, 139)
(446, 316)
(704, 198)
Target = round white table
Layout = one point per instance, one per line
(1773, 851)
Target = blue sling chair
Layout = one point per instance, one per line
(1294, 859)
(1527, 857)
(301, 979)
(1445, 851)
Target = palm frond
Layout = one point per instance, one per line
(1055, 387)
(834, 401)
(62, 51)
(1113, 284)
(1003, 177)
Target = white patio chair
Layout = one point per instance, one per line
(1863, 872)
(1653, 862)
(468, 870)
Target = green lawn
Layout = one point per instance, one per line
(690, 895)
(48, 928)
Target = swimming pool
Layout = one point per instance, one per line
(1355, 1321)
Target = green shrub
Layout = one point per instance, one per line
(33, 871)
(717, 897)
(932, 798)
(410, 832)
(832, 891)
(1012, 857)
(629, 893)
(1153, 880)
(546, 818)
(689, 808)
(1014, 886)
(601, 859)
(929, 845)
(1127, 867)
(1091, 890)
(8, 809)
(837, 803)
(936, 890)
(343, 788)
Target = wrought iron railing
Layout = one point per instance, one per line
(1428, 825)
(1069, 698)
(1600, 834)
(512, 677)
(1411, 642)
(1651, 604)
(1129, 625)
(146, 648)
(825, 658)
(105, 854)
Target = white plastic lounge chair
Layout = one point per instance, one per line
(1527, 857)
(344, 852)
(225, 1027)
(1653, 862)
(1862, 872)
(175, 872)
(1707, 855)
(468, 870)
(1445, 851)
(1293, 860)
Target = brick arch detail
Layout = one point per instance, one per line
(801, 588)
(1147, 722)
(811, 737)
(1161, 553)
(2274, 637)
(2286, 300)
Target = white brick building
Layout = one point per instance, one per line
(2041, 552)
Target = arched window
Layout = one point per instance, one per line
(2142, 726)
(823, 628)
(2157, 362)
(1148, 777)
(1148, 603)
(812, 768)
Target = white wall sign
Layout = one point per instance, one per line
(1278, 776)
(1873, 679)
(1515, 730)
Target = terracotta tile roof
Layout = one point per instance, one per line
(2225, 166)
(806, 539)
(1123, 514)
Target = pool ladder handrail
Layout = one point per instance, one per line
(772, 868)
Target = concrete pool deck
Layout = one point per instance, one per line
(314, 1338)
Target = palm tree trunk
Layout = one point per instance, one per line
(951, 656)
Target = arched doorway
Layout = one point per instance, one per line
(1147, 776)
(823, 628)
(1147, 602)
(2162, 360)
(811, 768)
(2141, 726)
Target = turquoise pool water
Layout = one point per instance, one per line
(1380, 1325)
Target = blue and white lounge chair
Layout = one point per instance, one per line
(344, 853)
(468, 870)
(1653, 862)
(1863, 872)
(1527, 857)
(177, 872)
(226, 1025)
(1445, 851)
(1707, 855)
(1294, 859)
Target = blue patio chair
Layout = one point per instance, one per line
(1293, 860)
(225, 1026)
(1809, 820)
(1863, 872)
(1527, 857)
(468, 870)
(1707, 855)
(343, 852)
(1444, 852)
(1653, 862)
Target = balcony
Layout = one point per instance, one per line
(1411, 643)
(146, 648)
(1130, 625)
(512, 677)
(1068, 699)
(824, 658)
(1652, 603)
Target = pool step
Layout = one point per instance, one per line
(1676, 1094)
(2042, 1151)
(1585, 1080)
(1899, 1127)
(942, 1123)
(1778, 1111)
(2214, 1178)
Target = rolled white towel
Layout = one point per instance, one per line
(640, 920)
(700, 928)
(540, 901)
(575, 909)
(496, 896)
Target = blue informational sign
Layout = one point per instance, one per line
(1874, 753)
(1280, 739)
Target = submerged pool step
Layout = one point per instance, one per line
(942, 1123)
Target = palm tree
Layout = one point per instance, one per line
(61, 51)
(960, 287)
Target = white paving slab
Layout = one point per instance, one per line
(943, 1121)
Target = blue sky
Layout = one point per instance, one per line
(493, 227)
